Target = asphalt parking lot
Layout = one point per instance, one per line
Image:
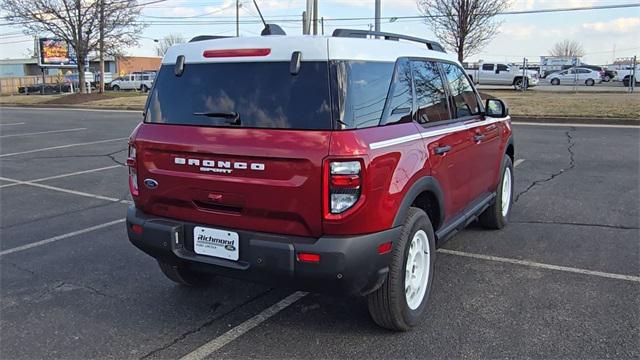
(562, 280)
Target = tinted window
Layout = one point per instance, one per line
(399, 107)
(502, 67)
(262, 94)
(431, 99)
(464, 97)
(487, 66)
(362, 89)
(584, 71)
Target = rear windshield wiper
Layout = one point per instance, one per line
(233, 118)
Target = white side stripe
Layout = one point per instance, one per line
(438, 132)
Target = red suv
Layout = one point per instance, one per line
(330, 164)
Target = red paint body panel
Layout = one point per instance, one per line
(283, 198)
(288, 196)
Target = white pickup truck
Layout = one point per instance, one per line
(626, 74)
(135, 81)
(501, 74)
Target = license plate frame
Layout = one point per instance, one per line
(217, 243)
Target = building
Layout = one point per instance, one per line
(118, 66)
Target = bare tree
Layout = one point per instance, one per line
(166, 42)
(77, 22)
(567, 47)
(464, 26)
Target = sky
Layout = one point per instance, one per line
(604, 34)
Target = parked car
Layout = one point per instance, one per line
(607, 75)
(578, 75)
(502, 74)
(333, 164)
(44, 90)
(626, 74)
(133, 81)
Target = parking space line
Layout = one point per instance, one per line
(207, 349)
(62, 176)
(69, 109)
(59, 237)
(541, 265)
(74, 192)
(19, 123)
(43, 132)
(518, 162)
(63, 146)
(578, 125)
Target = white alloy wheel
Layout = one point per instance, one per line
(417, 269)
(506, 191)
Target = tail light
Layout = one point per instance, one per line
(343, 182)
(133, 173)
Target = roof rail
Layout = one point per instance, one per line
(207, 37)
(353, 33)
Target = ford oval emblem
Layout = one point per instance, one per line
(230, 247)
(150, 183)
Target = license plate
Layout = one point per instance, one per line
(214, 242)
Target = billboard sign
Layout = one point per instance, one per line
(55, 53)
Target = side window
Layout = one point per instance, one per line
(431, 98)
(465, 100)
(487, 67)
(399, 104)
(502, 67)
(583, 71)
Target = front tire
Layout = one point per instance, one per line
(589, 82)
(115, 88)
(183, 276)
(400, 303)
(555, 81)
(496, 216)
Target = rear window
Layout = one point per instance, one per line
(251, 94)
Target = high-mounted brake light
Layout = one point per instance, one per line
(343, 184)
(133, 173)
(236, 53)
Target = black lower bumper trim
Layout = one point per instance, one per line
(348, 264)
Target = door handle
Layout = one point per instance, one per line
(441, 150)
(478, 137)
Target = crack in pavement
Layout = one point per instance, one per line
(572, 164)
(110, 155)
(204, 325)
(608, 226)
(16, 266)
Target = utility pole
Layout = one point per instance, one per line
(101, 47)
(377, 22)
(237, 18)
(322, 24)
(307, 25)
(315, 17)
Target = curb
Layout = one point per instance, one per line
(515, 118)
(576, 120)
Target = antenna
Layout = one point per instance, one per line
(269, 29)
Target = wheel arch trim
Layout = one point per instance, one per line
(424, 184)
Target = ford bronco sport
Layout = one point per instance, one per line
(330, 164)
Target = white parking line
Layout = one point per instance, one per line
(518, 162)
(80, 193)
(62, 176)
(59, 237)
(43, 132)
(63, 146)
(222, 340)
(541, 265)
(578, 125)
(20, 123)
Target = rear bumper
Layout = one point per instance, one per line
(348, 265)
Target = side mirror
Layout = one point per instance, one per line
(496, 108)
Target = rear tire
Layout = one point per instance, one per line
(144, 88)
(400, 303)
(183, 276)
(555, 82)
(496, 216)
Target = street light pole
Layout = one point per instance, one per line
(377, 15)
(238, 18)
(101, 47)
